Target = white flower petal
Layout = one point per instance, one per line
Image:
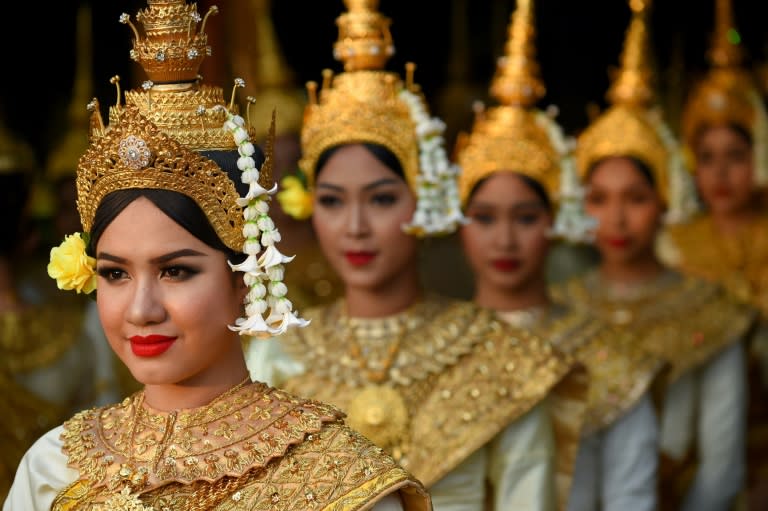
(272, 257)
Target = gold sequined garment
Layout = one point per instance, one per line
(738, 262)
(620, 372)
(253, 448)
(459, 377)
(683, 320)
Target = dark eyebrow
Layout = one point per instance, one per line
(369, 186)
(531, 204)
(185, 252)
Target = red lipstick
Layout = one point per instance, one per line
(359, 258)
(151, 345)
(506, 264)
(618, 242)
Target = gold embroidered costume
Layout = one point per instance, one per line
(729, 96)
(431, 385)
(692, 324)
(254, 447)
(515, 137)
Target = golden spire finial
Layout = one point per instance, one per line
(517, 81)
(364, 38)
(633, 85)
(726, 50)
(172, 47)
(64, 157)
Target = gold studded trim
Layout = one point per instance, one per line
(463, 375)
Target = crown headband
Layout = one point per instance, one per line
(728, 94)
(517, 137)
(366, 104)
(633, 126)
(153, 141)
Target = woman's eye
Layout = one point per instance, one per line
(384, 199)
(328, 201)
(595, 199)
(178, 272)
(483, 218)
(112, 274)
(528, 219)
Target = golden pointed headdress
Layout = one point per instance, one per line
(366, 104)
(728, 94)
(62, 162)
(177, 135)
(633, 126)
(515, 136)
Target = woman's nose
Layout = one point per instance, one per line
(145, 307)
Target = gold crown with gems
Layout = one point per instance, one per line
(366, 104)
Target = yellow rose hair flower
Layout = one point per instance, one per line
(71, 267)
(295, 199)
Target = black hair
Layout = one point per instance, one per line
(180, 208)
(14, 192)
(379, 152)
(639, 164)
(532, 183)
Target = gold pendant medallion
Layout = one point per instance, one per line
(379, 413)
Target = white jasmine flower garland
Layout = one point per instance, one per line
(263, 274)
(438, 210)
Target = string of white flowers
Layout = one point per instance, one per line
(263, 270)
(571, 224)
(438, 209)
(682, 199)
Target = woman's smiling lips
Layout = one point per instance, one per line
(150, 345)
(359, 258)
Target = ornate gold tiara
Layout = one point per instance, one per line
(630, 127)
(728, 94)
(514, 135)
(134, 153)
(366, 104)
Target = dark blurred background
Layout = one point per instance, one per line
(454, 43)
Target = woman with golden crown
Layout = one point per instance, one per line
(455, 395)
(636, 180)
(519, 188)
(177, 238)
(725, 129)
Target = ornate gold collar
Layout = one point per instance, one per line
(245, 428)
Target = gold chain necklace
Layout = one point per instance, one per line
(378, 410)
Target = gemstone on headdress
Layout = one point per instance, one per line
(134, 153)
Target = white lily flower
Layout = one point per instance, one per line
(250, 265)
(253, 326)
(289, 320)
(272, 257)
(257, 292)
